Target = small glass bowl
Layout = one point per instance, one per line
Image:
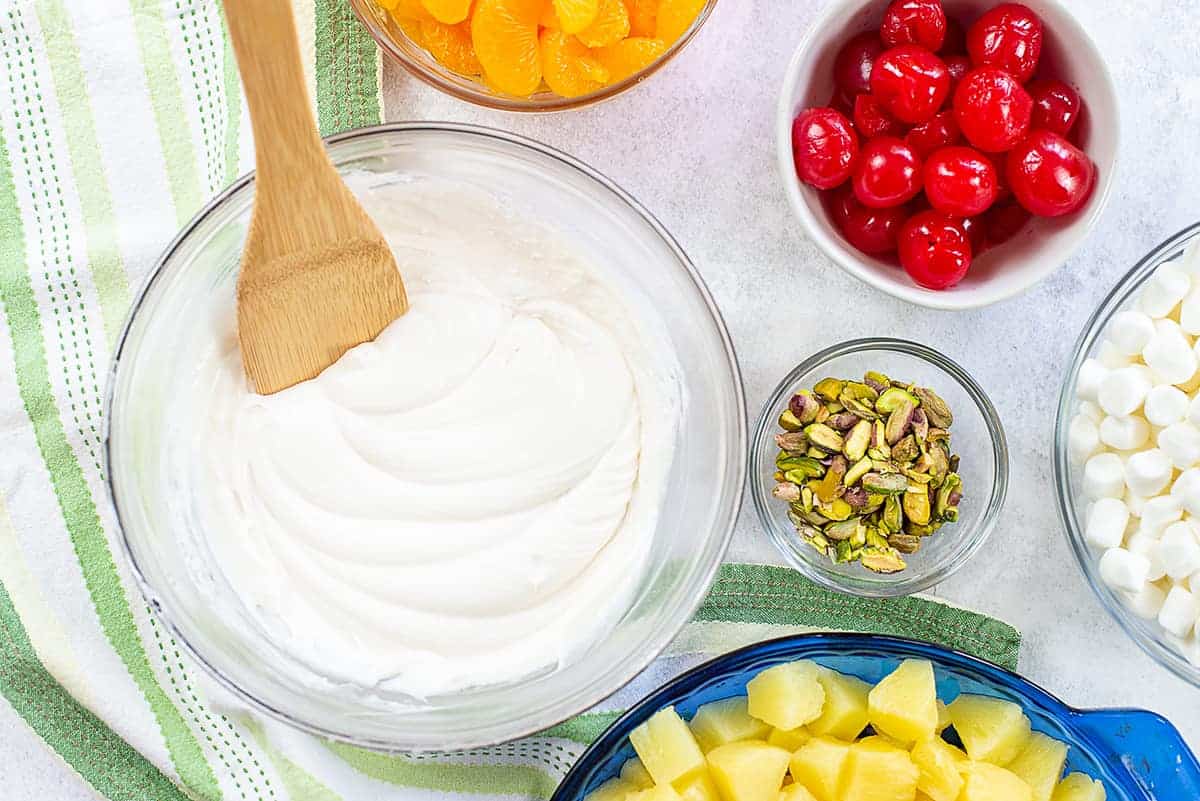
(976, 436)
(393, 41)
(1068, 477)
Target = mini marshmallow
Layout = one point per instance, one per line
(1091, 411)
(1189, 312)
(1133, 501)
(1124, 433)
(1169, 354)
(1087, 384)
(1083, 438)
(1165, 406)
(1186, 488)
(1160, 512)
(1130, 332)
(1104, 476)
(1189, 262)
(1145, 544)
(1106, 523)
(1179, 612)
(1193, 415)
(1178, 551)
(1164, 290)
(1147, 602)
(1111, 358)
(1148, 472)
(1123, 391)
(1123, 570)
(1181, 442)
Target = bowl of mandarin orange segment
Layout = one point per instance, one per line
(533, 55)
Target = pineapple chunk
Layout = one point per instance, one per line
(1040, 764)
(789, 739)
(611, 790)
(983, 781)
(819, 765)
(904, 705)
(938, 763)
(699, 787)
(659, 792)
(634, 772)
(726, 721)
(748, 770)
(845, 712)
(787, 696)
(991, 729)
(796, 792)
(1079, 787)
(666, 747)
(878, 771)
(943, 717)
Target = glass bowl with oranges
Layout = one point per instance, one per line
(533, 55)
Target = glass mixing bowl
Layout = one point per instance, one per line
(1137, 755)
(416, 59)
(164, 539)
(976, 436)
(1068, 477)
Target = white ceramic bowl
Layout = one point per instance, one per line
(999, 272)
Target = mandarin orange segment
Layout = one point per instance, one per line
(675, 17)
(575, 15)
(412, 29)
(450, 12)
(505, 33)
(411, 10)
(568, 67)
(610, 26)
(643, 15)
(386, 5)
(550, 18)
(629, 56)
(452, 46)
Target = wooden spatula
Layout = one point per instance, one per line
(317, 277)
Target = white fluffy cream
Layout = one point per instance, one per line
(467, 500)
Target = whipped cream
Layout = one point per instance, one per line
(467, 500)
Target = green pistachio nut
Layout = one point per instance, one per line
(857, 471)
(882, 560)
(857, 441)
(891, 399)
(824, 437)
(935, 408)
(885, 484)
(789, 421)
(828, 389)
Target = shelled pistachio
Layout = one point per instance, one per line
(866, 469)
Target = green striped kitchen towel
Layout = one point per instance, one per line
(118, 118)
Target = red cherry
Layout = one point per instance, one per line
(888, 173)
(941, 131)
(960, 181)
(976, 233)
(934, 249)
(852, 68)
(920, 22)
(842, 101)
(1008, 37)
(910, 82)
(955, 41)
(873, 231)
(1004, 222)
(992, 109)
(824, 146)
(872, 119)
(1000, 162)
(1056, 106)
(958, 67)
(1049, 175)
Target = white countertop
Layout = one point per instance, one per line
(695, 146)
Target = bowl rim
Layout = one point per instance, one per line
(900, 286)
(1068, 513)
(762, 439)
(552, 103)
(593, 693)
(572, 786)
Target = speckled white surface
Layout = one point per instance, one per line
(694, 145)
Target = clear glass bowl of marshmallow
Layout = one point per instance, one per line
(1127, 453)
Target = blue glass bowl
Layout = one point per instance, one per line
(1138, 755)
